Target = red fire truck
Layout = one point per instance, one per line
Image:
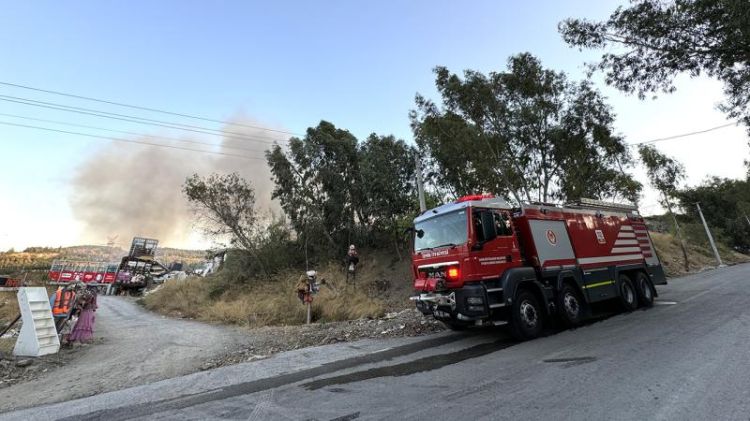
(479, 260)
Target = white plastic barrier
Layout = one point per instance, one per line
(38, 334)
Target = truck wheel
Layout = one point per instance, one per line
(570, 306)
(526, 318)
(628, 294)
(644, 289)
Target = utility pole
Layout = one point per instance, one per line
(420, 186)
(708, 233)
(309, 313)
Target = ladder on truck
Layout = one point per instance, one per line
(595, 204)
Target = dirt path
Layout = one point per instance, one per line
(133, 347)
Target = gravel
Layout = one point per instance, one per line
(270, 340)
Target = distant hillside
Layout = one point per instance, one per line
(40, 258)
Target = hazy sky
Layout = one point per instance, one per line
(287, 65)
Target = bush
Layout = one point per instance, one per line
(273, 302)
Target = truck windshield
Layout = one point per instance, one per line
(443, 230)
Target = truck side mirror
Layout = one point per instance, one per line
(488, 226)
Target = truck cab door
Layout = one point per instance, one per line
(495, 247)
(506, 242)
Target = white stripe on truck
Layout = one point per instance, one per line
(626, 250)
(437, 265)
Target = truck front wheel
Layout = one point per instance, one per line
(526, 319)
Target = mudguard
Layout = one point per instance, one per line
(571, 274)
(512, 278)
(655, 275)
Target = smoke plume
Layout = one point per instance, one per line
(134, 190)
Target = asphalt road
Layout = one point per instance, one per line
(686, 358)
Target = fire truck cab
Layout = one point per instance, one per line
(479, 260)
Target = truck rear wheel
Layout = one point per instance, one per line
(628, 294)
(570, 306)
(526, 317)
(644, 289)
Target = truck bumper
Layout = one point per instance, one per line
(469, 303)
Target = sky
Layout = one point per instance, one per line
(283, 65)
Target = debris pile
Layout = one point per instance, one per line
(20, 369)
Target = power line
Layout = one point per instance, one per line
(129, 141)
(127, 132)
(661, 139)
(132, 119)
(138, 107)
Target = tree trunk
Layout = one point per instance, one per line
(679, 233)
(398, 252)
(307, 262)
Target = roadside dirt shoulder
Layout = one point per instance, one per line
(134, 346)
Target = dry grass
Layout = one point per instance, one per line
(271, 303)
(6, 345)
(8, 307)
(700, 258)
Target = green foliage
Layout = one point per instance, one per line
(41, 250)
(337, 191)
(656, 40)
(726, 205)
(315, 179)
(664, 172)
(277, 250)
(225, 205)
(387, 189)
(527, 132)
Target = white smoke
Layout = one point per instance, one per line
(134, 190)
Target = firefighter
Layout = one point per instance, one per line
(306, 286)
(351, 260)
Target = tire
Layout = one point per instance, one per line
(570, 305)
(627, 293)
(526, 321)
(644, 289)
